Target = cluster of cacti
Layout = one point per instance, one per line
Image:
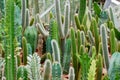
(75, 42)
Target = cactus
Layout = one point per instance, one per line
(22, 73)
(29, 49)
(96, 33)
(82, 37)
(56, 71)
(99, 66)
(118, 46)
(56, 51)
(67, 17)
(114, 68)
(97, 9)
(67, 57)
(23, 3)
(9, 40)
(92, 70)
(71, 74)
(82, 10)
(77, 21)
(81, 52)
(47, 70)
(54, 30)
(105, 46)
(58, 15)
(74, 52)
(91, 38)
(31, 36)
(78, 40)
(36, 6)
(48, 45)
(27, 17)
(25, 51)
(112, 41)
(34, 67)
(49, 56)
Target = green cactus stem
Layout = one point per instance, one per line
(23, 3)
(112, 41)
(67, 17)
(77, 21)
(105, 46)
(58, 15)
(27, 17)
(9, 41)
(82, 10)
(25, 51)
(47, 70)
(74, 52)
(56, 51)
(71, 74)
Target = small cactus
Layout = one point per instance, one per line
(71, 74)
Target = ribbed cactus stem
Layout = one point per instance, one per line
(112, 41)
(77, 21)
(78, 40)
(118, 44)
(82, 50)
(36, 6)
(58, 15)
(105, 46)
(23, 14)
(27, 17)
(91, 38)
(49, 56)
(71, 74)
(82, 10)
(9, 40)
(25, 52)
(42, 30)
(96, 33)
(74, 52)
(56, 51)
(99, 65)
(82, 37)
(67, 17)
(47, 70)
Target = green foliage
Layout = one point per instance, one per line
(97, 9)
(22, 73)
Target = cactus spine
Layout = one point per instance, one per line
(9, 24)
(112, 41)
(47, 70)
(104, 46)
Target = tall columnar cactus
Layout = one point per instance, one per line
(67, 57)
(78, 40)
(36, 7)
(56, 51)
(74, 52)
(33, 67)
(23, 3)
(82, 9)
(47, 70)
(82, 37)
(96, 33)
(25, 51)
(92, 70)
(99, 66)
(27, 17)
(48, 45)
(58, 15)
(31, 36)
(77, 21)
(105, 46)
(67, 17)
(71, 74)
(91, 38)
(56, 71)
(9, 45)
(22, 73)
(112, 41)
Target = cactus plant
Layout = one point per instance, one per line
(105, 46)
(71, 74)
(47, 70)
